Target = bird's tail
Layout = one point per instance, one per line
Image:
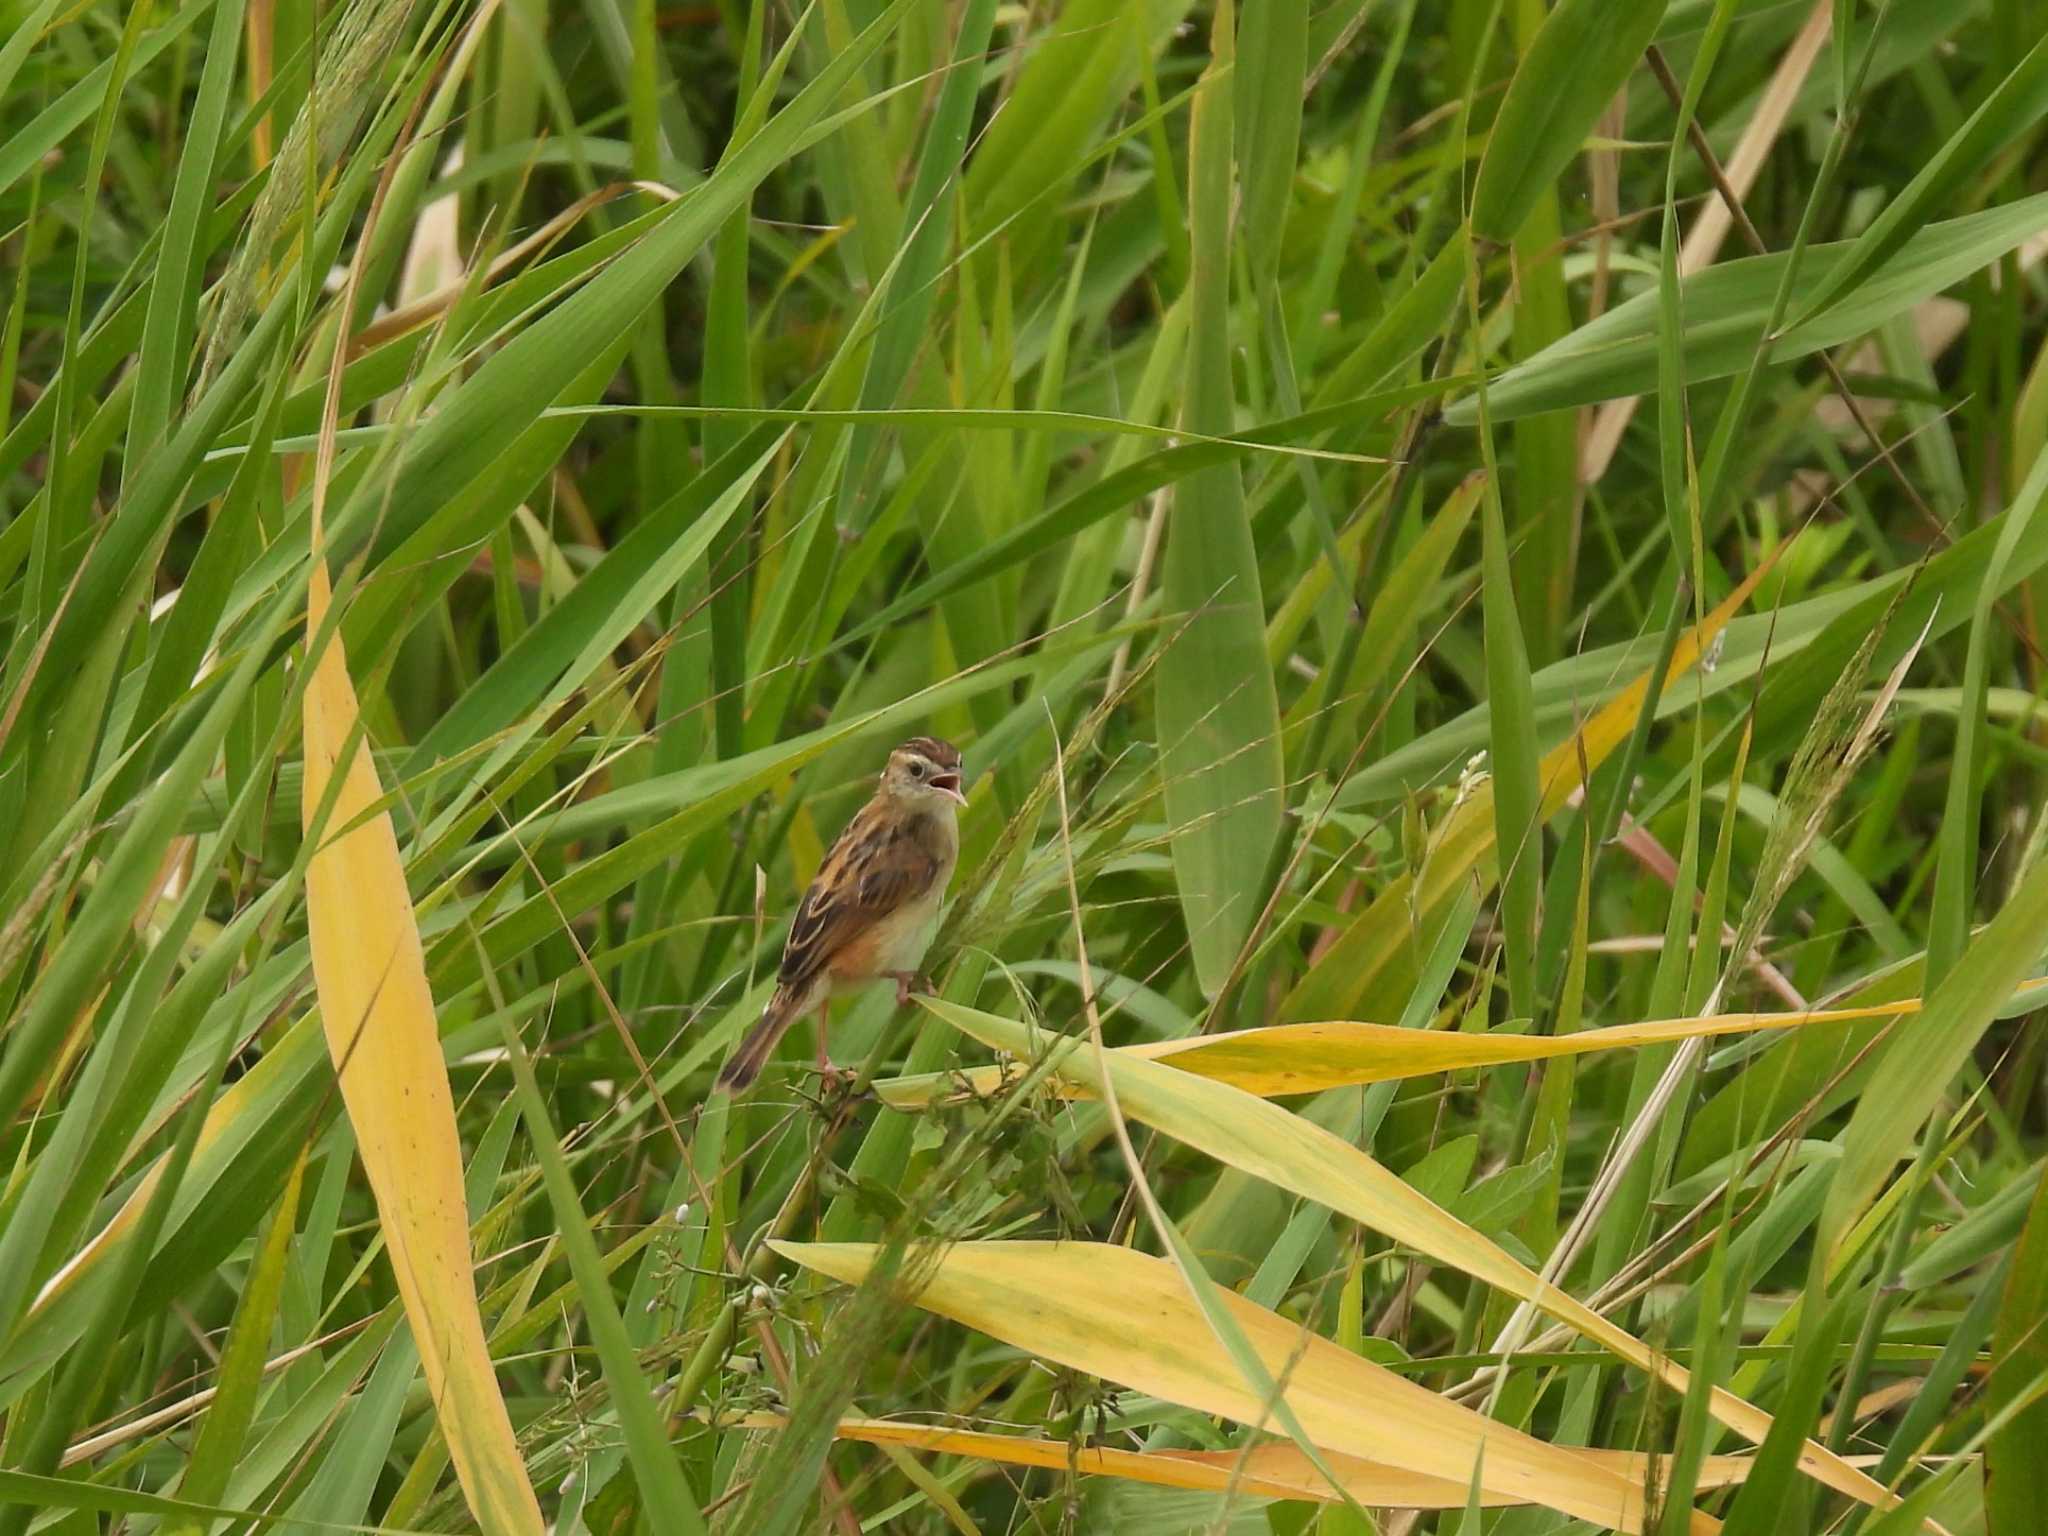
(783, 1010)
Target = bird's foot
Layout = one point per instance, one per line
(833, 1082)
(830, 1075)
(907, 982)
(838, 1089)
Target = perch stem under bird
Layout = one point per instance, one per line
(872, 911)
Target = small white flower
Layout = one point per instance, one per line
(1468, 781)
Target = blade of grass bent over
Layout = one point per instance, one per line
(1282, 1059)
(1127, 1317)
(1201, 1287)
(1726, 306)
(1295, 1153)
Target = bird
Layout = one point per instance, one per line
(874, 907)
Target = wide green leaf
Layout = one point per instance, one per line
(1219, 715)
(1726, 305)
(1583, 54)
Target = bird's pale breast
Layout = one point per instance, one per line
(894, 943)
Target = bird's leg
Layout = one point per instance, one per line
(830, 1076)
(907, 982)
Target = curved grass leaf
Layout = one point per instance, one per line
(1127, 1317)
(1282, 1059)
(1298, 1155)
(1726, 305)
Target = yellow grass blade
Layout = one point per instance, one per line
(379, 1018)
(1272, 1470)
(1264, 1140)
(1283, 1059)
(1127, 1317)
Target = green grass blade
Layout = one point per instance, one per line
(167, 331)
(1517, 796)
(655, 1466)
(2013, 109)
(1272, 50)
(1582, 55)
(517, 383)
(2016, 1481)
(1219, 754)
(1726, 305)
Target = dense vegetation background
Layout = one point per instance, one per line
(1442, 529)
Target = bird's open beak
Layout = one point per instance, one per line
(949, 784)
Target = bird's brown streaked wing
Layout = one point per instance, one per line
(874, 868)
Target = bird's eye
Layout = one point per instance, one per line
(917, 770)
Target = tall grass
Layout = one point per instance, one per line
(1485, 559)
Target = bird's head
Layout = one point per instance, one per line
(925, 769)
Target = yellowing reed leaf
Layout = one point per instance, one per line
(1264, 1140)
(381, 1032)
(1269, 1470)
(1282, 1059)
(1127, 1317)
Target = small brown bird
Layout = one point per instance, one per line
(874, 907)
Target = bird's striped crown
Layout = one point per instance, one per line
(940, 754)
